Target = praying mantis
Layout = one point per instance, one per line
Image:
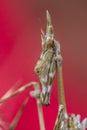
(50, 59)
(49, 62)
(45, 68)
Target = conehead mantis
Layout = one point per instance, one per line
(49, 62)
(49, 59)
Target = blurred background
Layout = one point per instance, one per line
(20, 47)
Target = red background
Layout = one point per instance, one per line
(20, 47)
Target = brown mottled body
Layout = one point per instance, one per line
(45, 70)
